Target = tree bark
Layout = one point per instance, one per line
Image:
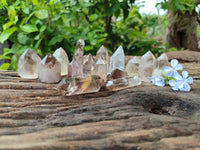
(107, 23)
(183, 30)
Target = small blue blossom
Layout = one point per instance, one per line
(182, 82)
(158, 81)
(170, 71)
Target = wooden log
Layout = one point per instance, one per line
(33, 115)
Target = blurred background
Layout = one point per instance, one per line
(138, 25)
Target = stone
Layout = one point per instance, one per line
(28, 64)
(117, 60)
(123, 83)
(87, 65)
(74, 86)
(75, 68)
(161, 62)
(62, 58)
(103, 54)
(100, 68)
(132, 67)
(147, 66)
(49, 69)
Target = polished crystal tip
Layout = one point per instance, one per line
(49, 69)
(28, 64)
(62, 57)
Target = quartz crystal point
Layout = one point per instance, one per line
(132, 67)
(147, 66)
(76, 66)
(117, 60)
(49, 69)
(122, 83)
(100, 68)
(103, 54)
(73, 86)
(62, 57)
(28, 64)
(87, 65)
(161, 62)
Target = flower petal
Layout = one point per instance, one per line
(152, 79)
(177, 76)
(185, 88)
(178, 67)
(175, 88)
(172, 83)
(174, 62)
(167, 68)
(185, 74)
(180, 84)
(160, 83)
(189, 80)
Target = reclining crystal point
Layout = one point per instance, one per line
(122, 83)
(74, 86)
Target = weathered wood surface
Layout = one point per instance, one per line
(33, 115)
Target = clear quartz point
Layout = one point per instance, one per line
(87, 65)
(49, 69)
(147, 66)
(100, 68)
(76, 66)
(161, 62)
(117, 60)
(74, 86)
(103, 54)
(28, 64)
(122, 83)
(62, 57)
(132, 67)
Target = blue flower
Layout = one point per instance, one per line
(158, 81)
(182, 82)
(170, 71)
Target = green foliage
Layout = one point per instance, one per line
(178, 5)
(46, 25)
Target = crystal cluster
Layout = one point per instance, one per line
(87, 74)
(28, 64)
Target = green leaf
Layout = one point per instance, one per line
(22, 38)
(43, 28)
(55, 39)
(29, 28)
(7, 33)
(7, 25)
(4, 57)
(25, 10)
(87, 47)
(35, 2)
(41, 14)
(4, 2)
(12, 13)
(5, 66)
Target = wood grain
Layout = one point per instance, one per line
(33, 115)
